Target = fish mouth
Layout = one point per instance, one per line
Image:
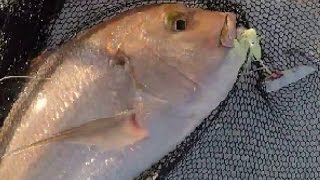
(228, 31)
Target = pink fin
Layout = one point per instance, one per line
(136, 128)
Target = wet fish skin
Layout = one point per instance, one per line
(64, 101)
(184, 75)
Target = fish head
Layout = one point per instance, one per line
(184, 45)
(173, 49)
(192, 40)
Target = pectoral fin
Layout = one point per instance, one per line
(105, 133)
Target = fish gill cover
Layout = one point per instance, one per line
(252, 134)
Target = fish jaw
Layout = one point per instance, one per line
(218, 83)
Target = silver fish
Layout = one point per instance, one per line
(167, 66)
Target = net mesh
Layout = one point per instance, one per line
(252, 134)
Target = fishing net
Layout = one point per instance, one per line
(252, 134)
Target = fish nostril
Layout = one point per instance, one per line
(118, 61)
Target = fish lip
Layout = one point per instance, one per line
(229, 30)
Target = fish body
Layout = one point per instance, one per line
(169, 65)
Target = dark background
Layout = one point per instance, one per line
(24, 26)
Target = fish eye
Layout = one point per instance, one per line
(181, 25)
(176, 21)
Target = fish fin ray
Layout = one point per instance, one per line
(74, 132)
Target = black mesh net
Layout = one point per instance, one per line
(252, 134)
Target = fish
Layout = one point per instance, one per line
(121, 95)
